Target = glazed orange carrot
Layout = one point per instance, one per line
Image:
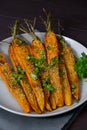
(52, 50)
(69, 60)
(65, 82)
(39, 54)
(38, 51)
(52, 55)
(22, 49)
(21, 52)
(15, 89)
(24, 82)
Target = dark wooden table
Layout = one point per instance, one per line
(73, 17)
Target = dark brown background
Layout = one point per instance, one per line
(73, 17)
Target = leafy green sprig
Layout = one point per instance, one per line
(81, 66)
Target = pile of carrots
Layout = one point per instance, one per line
(44, 77)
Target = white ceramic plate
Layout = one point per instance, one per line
(8, 102)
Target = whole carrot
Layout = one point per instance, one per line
(38, 57)
(24, 81)
(69, 60)
(52, 49)
(15, 89)
(21, 54)
(22, 49)
(65, 81)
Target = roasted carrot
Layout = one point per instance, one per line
(65, 81)
(15, 89)
(22, 49)
(69, 60)
(21, 52)
(52, 50)
(38, 51)
(24, 82)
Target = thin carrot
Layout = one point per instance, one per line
(69, 60)
(38, 51)
(15, 90)
(65, 81)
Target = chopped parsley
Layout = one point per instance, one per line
(50, 87)
(42, 53)
(29, 57)
(20, 42)
(47, 84)
(39, 62)
(20, 71)
(37, 70)
(36, 62)
(48, 48)
(59, 37)
(34, 77)
(54, 61)
(73, 86)
(73, 92)
(18, 75)
(5, 71)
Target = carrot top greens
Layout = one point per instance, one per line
(47, 22)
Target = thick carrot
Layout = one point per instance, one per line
(21, 52)
(15, 90)
(38, 51)
(24, 82)
(69, 60)
(52, 50)
(52, 55)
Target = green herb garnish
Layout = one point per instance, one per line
(47, 84)
(5, 71)
(73, 86)
(18, 76)
(15, 75)
(42, 53)
(20, 42)
(59, 37)
(50, 87)
(54, 61)
(34, 77)
(36, 62)
(37, 70)
(29, 57)
(73, 93)
(48, 48)
(39, 62)
(81, 66)
(20, 71)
